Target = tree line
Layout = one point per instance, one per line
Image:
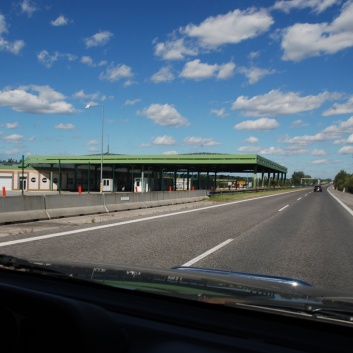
(10, 161)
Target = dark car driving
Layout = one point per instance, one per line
(317, 188)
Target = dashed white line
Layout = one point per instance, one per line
(200, 257)
(283, 208)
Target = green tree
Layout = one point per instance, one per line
(340, 180)
(349, 184)
(297, 177)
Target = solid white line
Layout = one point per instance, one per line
(339, 201)
(200, 257)
(283, 208)
(48, 236)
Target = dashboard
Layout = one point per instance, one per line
(48, 314)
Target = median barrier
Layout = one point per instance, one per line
(22, 209)
(67, 205)
(43, 207)
(131, 201)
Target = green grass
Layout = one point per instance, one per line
(246, 195)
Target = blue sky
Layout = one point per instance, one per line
(272, 78)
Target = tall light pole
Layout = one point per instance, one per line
(101, 177)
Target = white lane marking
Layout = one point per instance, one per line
(339, 201)
(48, 236)
(283, 208)
(299, 199)
(200, 257)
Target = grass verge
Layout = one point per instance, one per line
(246, 195)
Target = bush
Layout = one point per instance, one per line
(343, 182)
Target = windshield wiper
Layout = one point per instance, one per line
(19, 264)
(314, 310)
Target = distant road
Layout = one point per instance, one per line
(300, 234)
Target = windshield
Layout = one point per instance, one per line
(205, 138)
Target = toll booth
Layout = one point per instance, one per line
(145, 184)
(140, 185)
(107, 184)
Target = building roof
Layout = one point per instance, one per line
(201, 162)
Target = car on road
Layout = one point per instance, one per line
(317, 188)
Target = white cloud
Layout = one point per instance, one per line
(3, 26)
(336, 109)
(164, 114)
(278, 103)
(200, 141)
(49, 59)
(98, 39)
(92, 143)
(305, 40)
(164, 140)
(333, 132)
(163, 75)
(12, 125)
(92, 96)
(273, 150)
(65, 126)
(60, 21)
(226, 71)
(132, 102)
(252, 139)
(256, 125)
(320, 161)
(248, 149)
(299, 123)
(255, 74)
(46, 59)
(308, 139)
(28, 7)
(318, 152)
(219, 112)
(200, 71)
(174, 50)
(11, 47)
(15, 138)
(317, 6)
(340, 142)
(168, 153)
(341, 127)
(346, 150)
(115, 73)
(87, 60)
(12, 152)
(36, 100)
(231, 28)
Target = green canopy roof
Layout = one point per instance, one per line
(203, 162)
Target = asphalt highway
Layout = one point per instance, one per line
(298, 234)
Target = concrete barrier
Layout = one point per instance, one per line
(22, 209)
(67, 205)
(131, 201)
(41, 207)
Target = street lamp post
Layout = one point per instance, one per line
(101, 177)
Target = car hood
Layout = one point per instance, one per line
(235, 289)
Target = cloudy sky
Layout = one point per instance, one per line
(186, 76)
